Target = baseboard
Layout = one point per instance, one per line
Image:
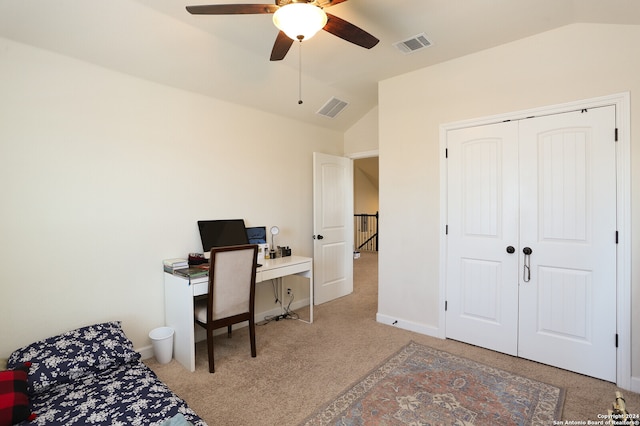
(408, 325)
(146, 352)
(635, 384)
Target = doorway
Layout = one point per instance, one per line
(366, 207)
(365, 203)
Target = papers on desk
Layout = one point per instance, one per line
(176, 263)
(193, 272)
(172, 265)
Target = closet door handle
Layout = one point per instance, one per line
(511, 250)
(526, 273)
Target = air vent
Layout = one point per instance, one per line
(413, 44)
(332, 108)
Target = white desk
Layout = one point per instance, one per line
(179, 293)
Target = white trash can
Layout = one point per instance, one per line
(162, 341)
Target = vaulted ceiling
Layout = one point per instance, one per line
(227, 57)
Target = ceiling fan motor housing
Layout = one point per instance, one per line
(300, 20)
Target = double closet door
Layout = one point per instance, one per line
(531, 246)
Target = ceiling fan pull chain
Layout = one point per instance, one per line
(299, 71)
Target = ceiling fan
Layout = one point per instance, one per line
(296, 20)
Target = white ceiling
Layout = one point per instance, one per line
(227, 57)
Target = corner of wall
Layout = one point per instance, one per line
(363, 135)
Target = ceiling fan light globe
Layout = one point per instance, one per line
(300, 21)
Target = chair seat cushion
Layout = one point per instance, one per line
(200, 311)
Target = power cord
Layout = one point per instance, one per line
(288, 313)
(275, 291)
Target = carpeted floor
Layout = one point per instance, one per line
(302, 367)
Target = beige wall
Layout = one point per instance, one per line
(567, 64)
(362, 137)
(104, 175)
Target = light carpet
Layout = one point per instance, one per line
(420, 385)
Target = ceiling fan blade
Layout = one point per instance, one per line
(349, 32)
(232, 9)
(329, 3)
(281, 47)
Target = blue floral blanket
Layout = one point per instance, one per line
(92, 376)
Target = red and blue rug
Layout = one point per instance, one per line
(420, 385)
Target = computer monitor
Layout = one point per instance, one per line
(220, 233)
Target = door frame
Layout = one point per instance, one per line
(621, 101)
(352, 156)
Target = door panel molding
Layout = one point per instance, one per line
(621, 101)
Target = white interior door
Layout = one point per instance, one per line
(546, 184)
(482, 282)
(568, 217)
(332, 227)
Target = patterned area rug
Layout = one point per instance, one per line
(423, 386)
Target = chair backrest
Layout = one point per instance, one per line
(232, 281)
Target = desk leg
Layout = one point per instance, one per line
(311, 289)
(178, 314)
(309, 274)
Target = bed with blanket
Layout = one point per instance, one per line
(88, 376)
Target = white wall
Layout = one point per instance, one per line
(362, 137)
(567, 64)
(104, 175)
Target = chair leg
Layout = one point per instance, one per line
(229, 331)
(210, 350)
(252, 336)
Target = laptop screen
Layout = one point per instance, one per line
(257, 235)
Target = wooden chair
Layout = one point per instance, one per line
(231, 297)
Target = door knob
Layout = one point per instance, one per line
(320, 237)
(511, 250)
(527, 250)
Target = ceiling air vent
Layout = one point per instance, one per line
(413, 44)
(332, 108)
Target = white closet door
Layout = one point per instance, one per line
(546, 184)
(482, 277)
(568, 219)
